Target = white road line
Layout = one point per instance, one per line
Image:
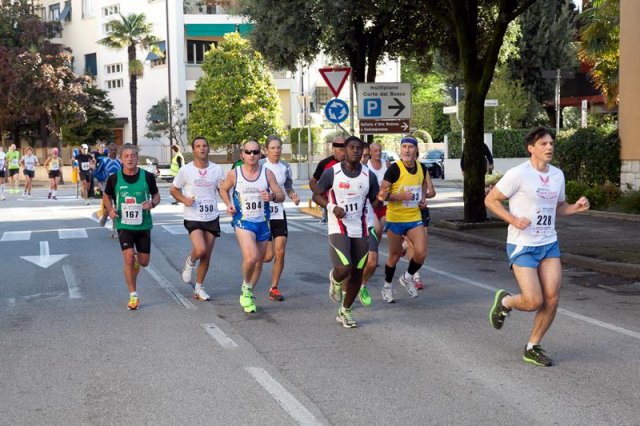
(170, 289)
(219, 336)
(72, 283)
(290, 404)
(566, 312)
(16, 236)
(12, 302)
(67, 234)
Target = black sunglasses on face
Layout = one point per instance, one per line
(254, 151)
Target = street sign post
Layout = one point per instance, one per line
(384, 101)
(375, 127)
(335, 78)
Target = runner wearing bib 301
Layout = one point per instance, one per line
(406, 186)
(254, 187)
(277, 216)
(135, 193)
(196, 186)
(535, 190)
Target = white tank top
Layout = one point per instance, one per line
(247, 198)
(351, 195)
(279, 170)
(380, 172)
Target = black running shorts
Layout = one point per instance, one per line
(212, 226)
(129, 239)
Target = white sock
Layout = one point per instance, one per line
(198, 286)
(189, 261)
(53, 193)
(388, 285)
(416, 276)
(530, 345)
(133, 293)
(407, 276)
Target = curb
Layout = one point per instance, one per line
(603, 266)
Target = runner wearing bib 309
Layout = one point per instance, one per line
(349, 185)
(535, 190)
(195, 186)
(253, 188)
(406, 186)
(135, 193)
(277, 216)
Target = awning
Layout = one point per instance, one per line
(215, 30)
(65, 12)
(152, 56)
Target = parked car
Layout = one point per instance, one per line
(434, 160)
(390, 155)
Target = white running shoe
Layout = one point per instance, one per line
(200, 294)
(387, 294)
(186, 271)
(409, 285)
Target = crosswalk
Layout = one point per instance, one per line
(227, 228)
(63, 234)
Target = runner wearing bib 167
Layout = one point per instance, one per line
(195, 186)
(535, 190)
(278, 217)
(254, 187)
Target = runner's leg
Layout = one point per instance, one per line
(249, 248)
(207, 239)
(550, 274)
(278, 245)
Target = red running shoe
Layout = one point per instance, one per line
(274, 294)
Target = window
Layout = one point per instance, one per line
(91, 64)
(65, 15)
(114, 84)
(113, 68)
(323, 95)
(114, 9)
(87, 9)
(54, 12)
(107, 28)
(158, 62)
(196, 50)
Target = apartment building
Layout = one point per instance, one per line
(187, 28)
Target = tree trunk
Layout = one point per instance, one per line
(133, 93)
(474, 209)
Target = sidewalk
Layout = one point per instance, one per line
(605, 242)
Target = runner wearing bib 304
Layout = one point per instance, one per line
(277, 216)
(196, 186)
(349, 185)
(254, 187)
(535, 190)
(135, 193)
(406, 186)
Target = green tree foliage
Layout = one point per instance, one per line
(590, 155)
(513, 103)
(236, 99)
(167, 120)
(547, 43)
(600, 45)
(132, 32)
(99, 122)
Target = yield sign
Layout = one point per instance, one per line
(45, 259)
(335, 78)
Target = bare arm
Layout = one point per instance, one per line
(428, 190)
(177, 194)
(278, 195)
(312, 183)
(225, 186)
(565, 209)
(493, 201)
(385, 195)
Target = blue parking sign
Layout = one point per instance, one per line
(372, 107)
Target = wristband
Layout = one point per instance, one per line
(331, 207)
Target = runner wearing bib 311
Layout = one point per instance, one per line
(195, 186)
(253, 188)
(277, 216)
(406, 186)
(535, 190)
(135, 193)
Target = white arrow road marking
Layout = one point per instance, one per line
(45, 259)
(72, 283)
(16, 236)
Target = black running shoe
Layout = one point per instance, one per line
(536, 356)
(498, 313)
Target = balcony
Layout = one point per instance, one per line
(209, 7)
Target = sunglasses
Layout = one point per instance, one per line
(254, 151)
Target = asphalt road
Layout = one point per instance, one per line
(72, 354)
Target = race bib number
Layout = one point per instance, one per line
(276, 211)
(542, 223)
(352, 206)
(252, 206)
(205, 208)
(85, 165)
(416, 194)
(54, 166)
(15, 162)
(131, 213)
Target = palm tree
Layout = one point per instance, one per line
(130, 32)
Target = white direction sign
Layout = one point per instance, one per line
(450, 109)
(384, 100)
(45, 259)
(491, 102)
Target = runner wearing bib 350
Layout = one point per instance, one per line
(195, 186)
(535, 190)
(406, 186)
(349, 185)
(277, 216)
(135, 193)
(253, 188)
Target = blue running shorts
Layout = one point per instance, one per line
(531, 256)
(261, 229)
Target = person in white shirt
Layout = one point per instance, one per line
(195, 186)
(29, 162)
(278, 217)
(3, 169)
(536, 193)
